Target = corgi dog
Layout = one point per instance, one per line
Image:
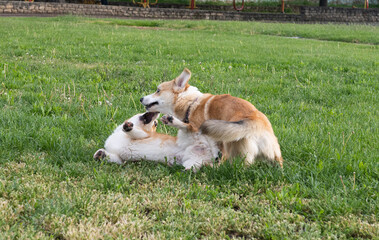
(241, 129)
(137, 139)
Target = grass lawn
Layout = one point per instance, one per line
(66, 82)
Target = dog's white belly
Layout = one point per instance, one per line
(117, 142)
(154, 150)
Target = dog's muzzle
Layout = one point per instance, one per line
(147, 106)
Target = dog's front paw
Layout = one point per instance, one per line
(167, 119)
(128, 126)
(99, 154)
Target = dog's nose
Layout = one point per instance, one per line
(141, 99)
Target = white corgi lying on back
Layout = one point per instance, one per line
(137, 139)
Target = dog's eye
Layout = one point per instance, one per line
(155, 123)
(158, 90)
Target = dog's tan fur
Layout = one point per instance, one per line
(242, 129)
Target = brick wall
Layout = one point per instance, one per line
(307, 14)
(229, 7)
(330, 14)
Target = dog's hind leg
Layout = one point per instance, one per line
(245, 148)
(279, 159)
(269, 148)
(110, 157)
(249, 149)
(114, 158)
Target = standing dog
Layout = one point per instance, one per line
(242, 129)
(137, 139)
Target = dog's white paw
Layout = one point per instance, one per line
(99, 154)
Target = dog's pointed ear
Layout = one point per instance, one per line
(182, 80)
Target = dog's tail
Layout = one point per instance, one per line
(225, 131)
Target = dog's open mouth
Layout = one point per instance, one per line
(148, 117)
(150, 105)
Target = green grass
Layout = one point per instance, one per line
(66, 82)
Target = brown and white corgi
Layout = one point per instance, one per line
(236, 123)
